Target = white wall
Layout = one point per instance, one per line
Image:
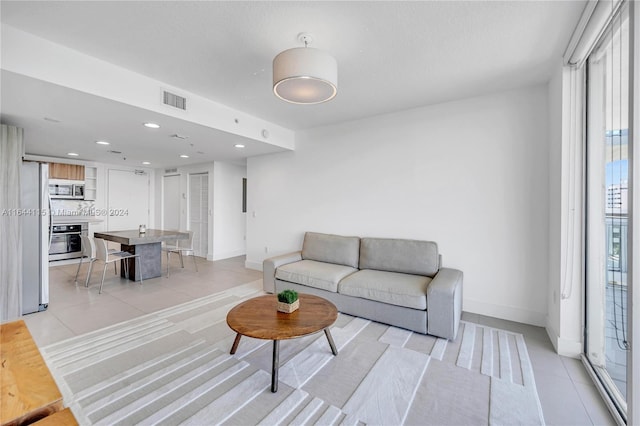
(555, 202)
(566, 289)
(229, 222)
(471, 175)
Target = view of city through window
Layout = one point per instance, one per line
(616, 214)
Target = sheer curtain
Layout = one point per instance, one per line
(11, 149)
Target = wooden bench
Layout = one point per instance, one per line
(61, 418)
(29, 392)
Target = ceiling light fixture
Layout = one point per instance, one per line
(184, 156)
(73, 154)
(152, 125)
(146, 163)
(239, 145)
(304, 75)
(102, 143)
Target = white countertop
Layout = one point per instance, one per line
(76, 219)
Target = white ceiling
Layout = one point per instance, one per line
(84, 118)
(391, 56)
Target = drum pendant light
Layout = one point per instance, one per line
(304, 75)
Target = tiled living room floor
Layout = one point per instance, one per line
(567, 395)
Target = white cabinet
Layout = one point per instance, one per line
(90, 183)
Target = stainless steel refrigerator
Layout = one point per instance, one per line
(36, 236)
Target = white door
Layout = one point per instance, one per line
(199, 211)
(127, 200)
(171, 202)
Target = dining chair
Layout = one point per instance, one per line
(181, 247)
(89, 251)
(107, 256)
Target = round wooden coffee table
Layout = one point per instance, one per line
(259, 318)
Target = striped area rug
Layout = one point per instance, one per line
(173, 367)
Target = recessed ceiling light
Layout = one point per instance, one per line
(102, 143)
(239, 145)
(184, 156)
(73, 154)
(152, 125)
(146, 163)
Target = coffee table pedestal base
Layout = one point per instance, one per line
(275, 363)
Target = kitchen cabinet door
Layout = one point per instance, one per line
(76, 172)
(66, 171)
(59, 171)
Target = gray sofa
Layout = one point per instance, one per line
(393, 281)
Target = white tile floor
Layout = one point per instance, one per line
(75, 309)
(567, 395)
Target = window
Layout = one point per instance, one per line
(607, 218)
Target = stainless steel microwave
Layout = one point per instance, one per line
(68, 190)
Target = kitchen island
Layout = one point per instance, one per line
(147, 245)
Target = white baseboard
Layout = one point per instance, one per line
(253, 265)
(227, 255)
(569, 348)
(553, 336)
(505, 312)
(564, 347)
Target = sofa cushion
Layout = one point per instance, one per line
(387, 287)
(331, 249)
(396, 255)
(325, 276)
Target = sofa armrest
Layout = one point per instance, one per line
(269, 269)
(444, 303)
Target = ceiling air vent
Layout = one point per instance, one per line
(174, 100)
(171, 170)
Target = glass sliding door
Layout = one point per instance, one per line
(607, 177)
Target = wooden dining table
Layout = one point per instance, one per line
(147, 245)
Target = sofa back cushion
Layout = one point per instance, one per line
(331, 249)
(395, 255)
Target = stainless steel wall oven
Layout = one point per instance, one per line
(66, 242)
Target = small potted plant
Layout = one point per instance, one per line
(288, 301)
